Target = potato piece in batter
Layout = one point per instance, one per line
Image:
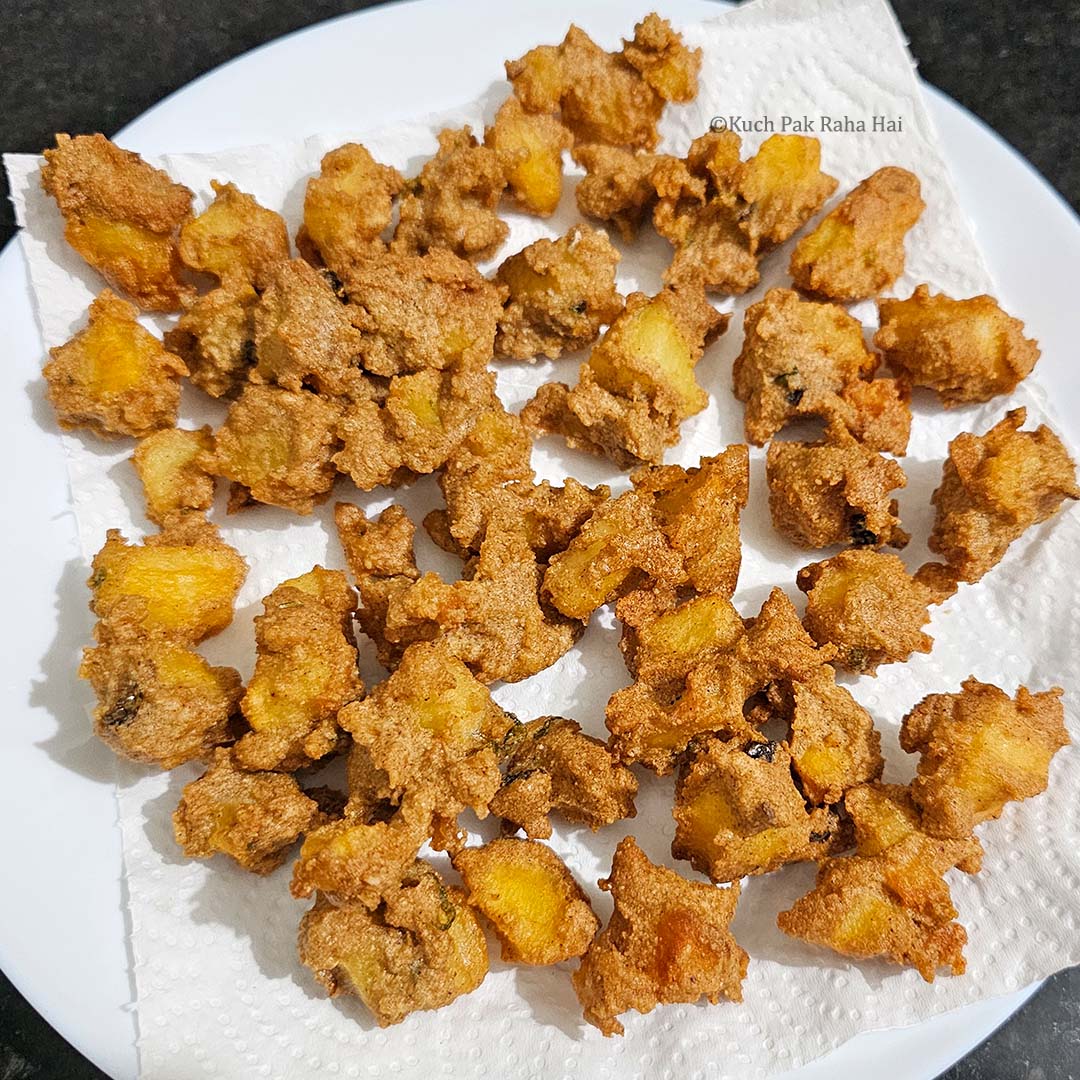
(121, 215)
(561, 292)
(867, 605)
(979, 749)
(173, 480)
(617, 188)
(667, 942)
(664, 61)
(114, 377)
(538, 911)
(253, 817)
(858, 249)
(531, 146)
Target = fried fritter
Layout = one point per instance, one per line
(979, 749)
(346, 208)
(993, 488)
(421, 948)
(121, 215)
(215, 337)
(561, 292)
(801, 358)
(834, 491)
(158, 701)
(531, 146)
(966, 350)
(419, 312)
(867, 605)
(665, 63)
(253, 817)
(173, 480)
(618, 186)
(538, 911)
(452, 203)
(276, 447)
(667, 942)
(551, 764)
(235, 239)
(305, 671)
(737, 812)
(858, 249)
(180, 582)
(638, 384)
(114, 377)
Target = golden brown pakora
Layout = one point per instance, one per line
(617, 187)
(868, 606)
(235, 239)
(114, 377)
(452, 203)
(638, 384)
(667, 942)
(276, 446)
(561, 292)
(122, 216)
(980, 749)
(551, 764)
(665, 63)
(173, 481)
(834, 491)
(858, 249)
(253, 817)
(305, 671)
(420, 948)
(993, 488)
(538, 911)
(966, 350)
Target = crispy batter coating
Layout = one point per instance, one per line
(235, 239)
(158, 701)
(305, 671)
(452, 203)
(834, 491)
(737, 812)
(417, 312)
(114, 377)
(304, 339)
(531, 146)
(215, 337)
(561, 292)
(801, 358)
(980, 749)
(868, 606)
(121, 215)
(665, 63)
(173, 480)
(617, 187)
(966, 350)
(253, 817)
(698, 510)
(414, 429)
(421, 948)
(638, 384)
(993, 488)
(551, 764)
(346, 208)
(653, 720)
(667, 942)
(858, 249)
(276, 447)
(180, 582)
(538, 911)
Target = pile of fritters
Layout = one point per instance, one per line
(370, 356)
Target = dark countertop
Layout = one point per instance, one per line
(66, 65)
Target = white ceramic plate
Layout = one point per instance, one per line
(62, 921)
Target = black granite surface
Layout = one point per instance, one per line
(69, 65)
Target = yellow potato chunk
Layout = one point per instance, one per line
(172, 478)
(536, 908)
(114, 377)
(121, 215)
(858, 249)
(531, 145)
(980, 749)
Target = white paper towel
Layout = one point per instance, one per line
(220, 991)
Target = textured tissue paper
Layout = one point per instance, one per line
(220, 991)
